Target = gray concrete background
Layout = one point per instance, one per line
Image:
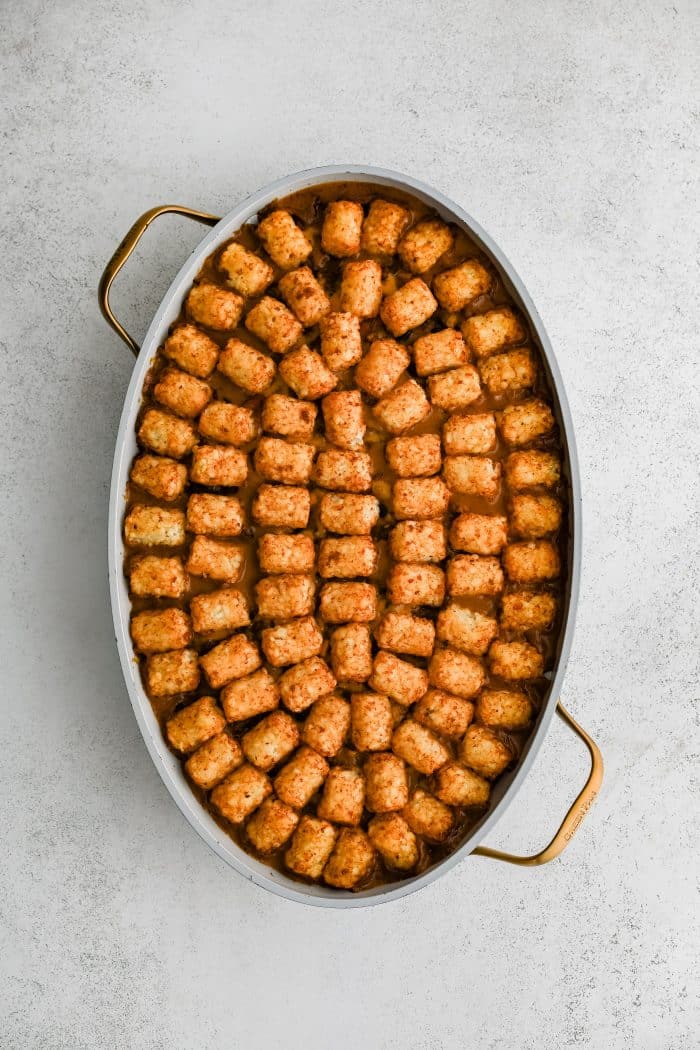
(567, 130)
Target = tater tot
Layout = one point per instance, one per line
(289, 417)
(234, 658)
(192, 350)
(528, 611)
(383, 227)
(533, 515)
(223, 610)
(473, 476)
(284, 461)
(255, 694)
(218, 465)
(392, 837)
(343, 470)
(146, 526)
(193, 725)
(474, 434)
(304, 683)
(484, 752)
(350, 514)
(290, 643)
(455, 672)
(387, 782)
(402, 681)
(531, 562)
(283, 240)
(343, 798)
(372, 722)
(466, 629)
(439, 351)
(525, 422)
(304, 296)
(341, 341)
(504, 709)
(346, 556)
(401, 632)
(301, 777)
(311, 846)
(287, 506)
(422, 246)
(214, 307)
(154, 577)
(444, 713)
(275, 324)
(271, 825)
(402, 408)
(479, 533)
(284, 554)
(327, 725)
(416, 584)
(344, 418)
(457, 287)
(469, 575)
(215, 559)
(304, 371)
(455, 389)
(246, 272)
(168, 674)
(420, 498)
(458, 786)
(229, 424)
(216, 515)
(270, 740)
(408, 307)
(159, 476)
(213, 761)
(514, 661)
(182, 393)
(166, 434)
(342, 228)
(348, 602)
(419, 747)
(412, 457)
(361, 288)
(247, 367)
(506, 373)
(352, 860)
(240, 793)
(160, 630)
(428, 816)
(351, 652)
(286, 595)
(418, 541)
(493, 330)
(525, 470)
(382, 367)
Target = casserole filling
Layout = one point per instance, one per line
(344, 535)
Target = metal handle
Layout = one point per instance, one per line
(572, 820)
(124, 251)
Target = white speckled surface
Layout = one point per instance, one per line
(567, 130)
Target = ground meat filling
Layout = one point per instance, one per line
(344, 536)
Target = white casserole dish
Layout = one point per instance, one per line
(167, 764)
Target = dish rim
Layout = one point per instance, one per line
(167, 764)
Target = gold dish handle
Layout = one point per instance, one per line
(124, 251)
(573, 819)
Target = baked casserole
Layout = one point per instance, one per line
(344, 533)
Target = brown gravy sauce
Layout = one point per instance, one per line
(307, 206)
